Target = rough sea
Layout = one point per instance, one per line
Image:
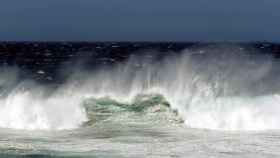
(139, 99)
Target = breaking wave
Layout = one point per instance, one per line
(28, 109)
(220, 88)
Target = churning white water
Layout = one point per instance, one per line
(26, 109)
(225, 89)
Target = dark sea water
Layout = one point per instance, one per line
(110, 99)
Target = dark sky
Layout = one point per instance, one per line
(140, 20)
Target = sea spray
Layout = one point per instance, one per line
(27, 108)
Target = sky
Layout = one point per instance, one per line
(140, 20)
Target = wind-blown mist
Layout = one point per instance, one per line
(226, 88)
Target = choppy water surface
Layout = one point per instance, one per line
(139, 140)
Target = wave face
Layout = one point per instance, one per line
(223, 88)
(146, 108)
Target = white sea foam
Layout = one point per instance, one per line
(24, 109)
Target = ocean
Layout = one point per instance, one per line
(139, 99)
